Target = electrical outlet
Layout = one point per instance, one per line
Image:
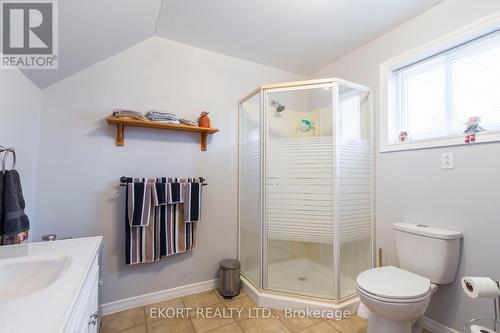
(447, 161)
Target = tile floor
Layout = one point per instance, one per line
(147, 319)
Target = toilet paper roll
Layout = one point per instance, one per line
(480, 329)
(479, 287)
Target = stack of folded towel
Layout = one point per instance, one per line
(156, 116)
(188, 122)
(161, 217)
(127, 113)
(164, 117)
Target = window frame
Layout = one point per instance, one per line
(390, 103)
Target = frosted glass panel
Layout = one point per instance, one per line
(299, 192)
(250, 189)
(354, 186)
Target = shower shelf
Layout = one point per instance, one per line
(122, 122)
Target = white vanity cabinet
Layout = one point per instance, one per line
(85, 317)
(66, 296)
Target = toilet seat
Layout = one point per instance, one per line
(394, 285)
(394, 300)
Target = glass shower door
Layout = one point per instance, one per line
(355, 204)
(299, 191)
(250, 199)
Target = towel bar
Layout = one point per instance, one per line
(125, 180)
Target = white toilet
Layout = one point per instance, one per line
(398, 297)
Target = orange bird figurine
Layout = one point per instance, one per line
(204, 121)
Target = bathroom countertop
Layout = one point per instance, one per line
(48, 309)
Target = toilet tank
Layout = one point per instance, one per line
(427, 251)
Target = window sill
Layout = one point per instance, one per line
(436, 143)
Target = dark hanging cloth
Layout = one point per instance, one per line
(1, 205)
(192, 200)
(161, 191)
(195, 202)
(161, 213)
(175, 192)
(14, 219)
(128, 250)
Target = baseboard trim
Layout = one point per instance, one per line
(436, 327)
(158, 296)
(281, 301)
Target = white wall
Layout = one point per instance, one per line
(412, 187)
(80, 166)
(20, 106)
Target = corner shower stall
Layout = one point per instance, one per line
(305, 188)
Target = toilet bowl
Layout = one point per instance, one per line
(397, 299)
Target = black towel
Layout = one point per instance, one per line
(195, 202)
(161, 191)
(1, 205)
(175, 192)
(14, 218)
(192, 200)
(161, 213)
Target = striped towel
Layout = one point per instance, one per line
(156, 219)
(142, 229)
(141, 195)
(175, 190)
(192, 200)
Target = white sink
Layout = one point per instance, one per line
(20, 277)
(41, 282)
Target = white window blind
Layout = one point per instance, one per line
(436, 95)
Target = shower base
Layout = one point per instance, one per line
(296, 284)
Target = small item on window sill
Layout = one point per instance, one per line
(204, 121)
(403, 137)
(472, 128)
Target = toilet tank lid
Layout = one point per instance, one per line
(425, 230)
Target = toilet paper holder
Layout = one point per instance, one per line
(484, 323)
(482, 326)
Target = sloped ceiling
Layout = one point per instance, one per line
(300, 36)
(93, 30)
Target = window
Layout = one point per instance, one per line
(430, 99)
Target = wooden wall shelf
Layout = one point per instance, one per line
(122, 122)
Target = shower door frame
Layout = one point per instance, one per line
(264, 91)
(259, 90)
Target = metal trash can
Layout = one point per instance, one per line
(229, 278)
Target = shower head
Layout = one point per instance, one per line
(279, 107)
